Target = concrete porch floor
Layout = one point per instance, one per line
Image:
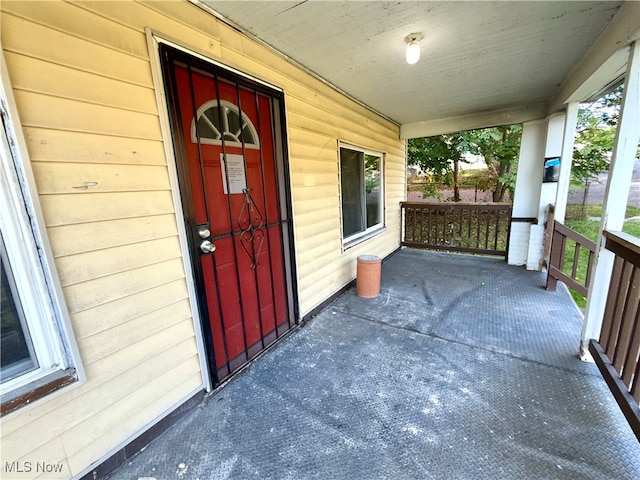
(463, 368)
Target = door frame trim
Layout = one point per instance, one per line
(153, 44)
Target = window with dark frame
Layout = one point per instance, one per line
(362, 191)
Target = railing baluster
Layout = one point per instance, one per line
(460, 226)
(486, 232)
(634, 350)
(478, 212)
(413, 226)
(554, 260)
(470, 221)
(495, 241)
(618, 311)
(628, 313)
(587, 280)
(563, 246)
(445, 227)
(576, 261)
(635, 388)
(405, 225)
(612, 297)
(428, 233)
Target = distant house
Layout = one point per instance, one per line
(176, 196)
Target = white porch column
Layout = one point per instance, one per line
(616, 193)
(553, 148)
(564, 180)
(526, 198)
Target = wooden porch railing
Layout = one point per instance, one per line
(459, 227)
(563, 241)
(616, 352)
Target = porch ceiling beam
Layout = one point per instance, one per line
(505, 116)
(605, 61)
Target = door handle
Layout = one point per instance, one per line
(207, 247)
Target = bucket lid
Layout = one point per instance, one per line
(368, 258)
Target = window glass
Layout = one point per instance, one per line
(351, 170)
(373, 189)
(362, 191)
(16, 349)
(233, 119)
(216, 122)
(208, 125)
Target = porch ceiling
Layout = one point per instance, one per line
(492, 61)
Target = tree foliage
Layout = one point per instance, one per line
(438, 156)
(595, 133)
(500, 147)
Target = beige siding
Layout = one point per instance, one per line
(86, 87)
(83, 85)
(79, 116)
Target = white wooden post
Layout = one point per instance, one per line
(615, 201)
(564, 179)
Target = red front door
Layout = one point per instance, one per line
(233, 179)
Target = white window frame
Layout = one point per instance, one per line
(378, 228)
(31, 259)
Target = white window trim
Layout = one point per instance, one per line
(359, 237)
(31, 257)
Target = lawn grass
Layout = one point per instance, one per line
(590, 230)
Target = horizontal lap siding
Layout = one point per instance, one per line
(83, 85)
(85, 96)
(53, 145)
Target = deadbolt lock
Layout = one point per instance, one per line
(204, 231)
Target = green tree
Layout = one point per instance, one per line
(595, 134)
(500, 147)
(439, 157)
(591, 152)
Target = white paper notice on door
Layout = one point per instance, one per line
(233, 169)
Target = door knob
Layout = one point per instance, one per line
(207, 247)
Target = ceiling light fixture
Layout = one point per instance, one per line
(413, 47)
